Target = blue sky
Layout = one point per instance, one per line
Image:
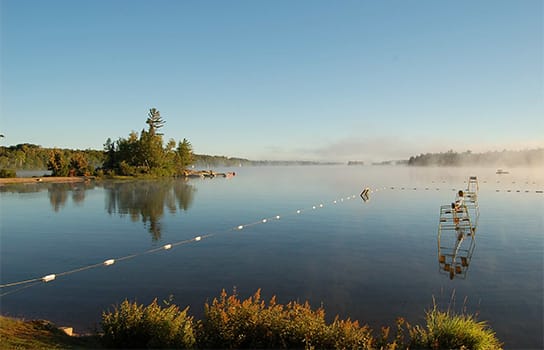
(306, 80)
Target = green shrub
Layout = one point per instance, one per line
(99, 173)
(450, 331)
(126, 169)
(5, 173)
(135, 326)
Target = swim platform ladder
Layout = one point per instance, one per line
(456, 233)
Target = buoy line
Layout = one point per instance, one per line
(24, 284)
(108, 262)
(407, 188)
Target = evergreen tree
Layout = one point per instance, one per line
(185, 154)
(109, 150)
(154, 121)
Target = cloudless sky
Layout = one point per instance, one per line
(293, 79)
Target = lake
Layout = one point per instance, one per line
(371, 260)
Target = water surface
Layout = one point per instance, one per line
(372, 261)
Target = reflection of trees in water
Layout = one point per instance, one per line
(143, 200)
(147, 200)
(58, 193)
(22, 188)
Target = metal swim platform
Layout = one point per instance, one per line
(471, 196)
(457, 231)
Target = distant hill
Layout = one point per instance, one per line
(207, 161)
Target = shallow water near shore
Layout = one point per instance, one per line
(369, 260)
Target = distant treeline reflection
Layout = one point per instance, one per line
(141, 200)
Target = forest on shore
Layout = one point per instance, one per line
(29, 156)
(143, 154)
(505, 158)
(147, 154)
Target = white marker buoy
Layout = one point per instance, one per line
(49, 278)
(109, 262)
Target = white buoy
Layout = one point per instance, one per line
(321, 205)
(49, 278)
(264, 221)
(198, 238)
(167, 246)
(109, 262)
(298, 211)
(313, 207)
(240, 227)
(334, 202)
(277, 217)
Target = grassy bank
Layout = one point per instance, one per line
(40, 334)
(232, 323)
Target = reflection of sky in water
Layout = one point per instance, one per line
(371, 261)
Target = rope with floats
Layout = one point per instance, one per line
(365, 194)
(108, 262)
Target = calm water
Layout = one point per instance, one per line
(371, 261)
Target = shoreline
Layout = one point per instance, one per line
(78, 179)
(40, 179)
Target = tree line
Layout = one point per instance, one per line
(534, 157)
(143, 154)
(146, 153)
(29, 156)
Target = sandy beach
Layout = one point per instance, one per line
(22, 180)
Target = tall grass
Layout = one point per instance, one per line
(446, 330)
(40, 334)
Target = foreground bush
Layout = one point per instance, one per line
(449, 331)
(252, 323)
(135, 326)
(232, 323)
